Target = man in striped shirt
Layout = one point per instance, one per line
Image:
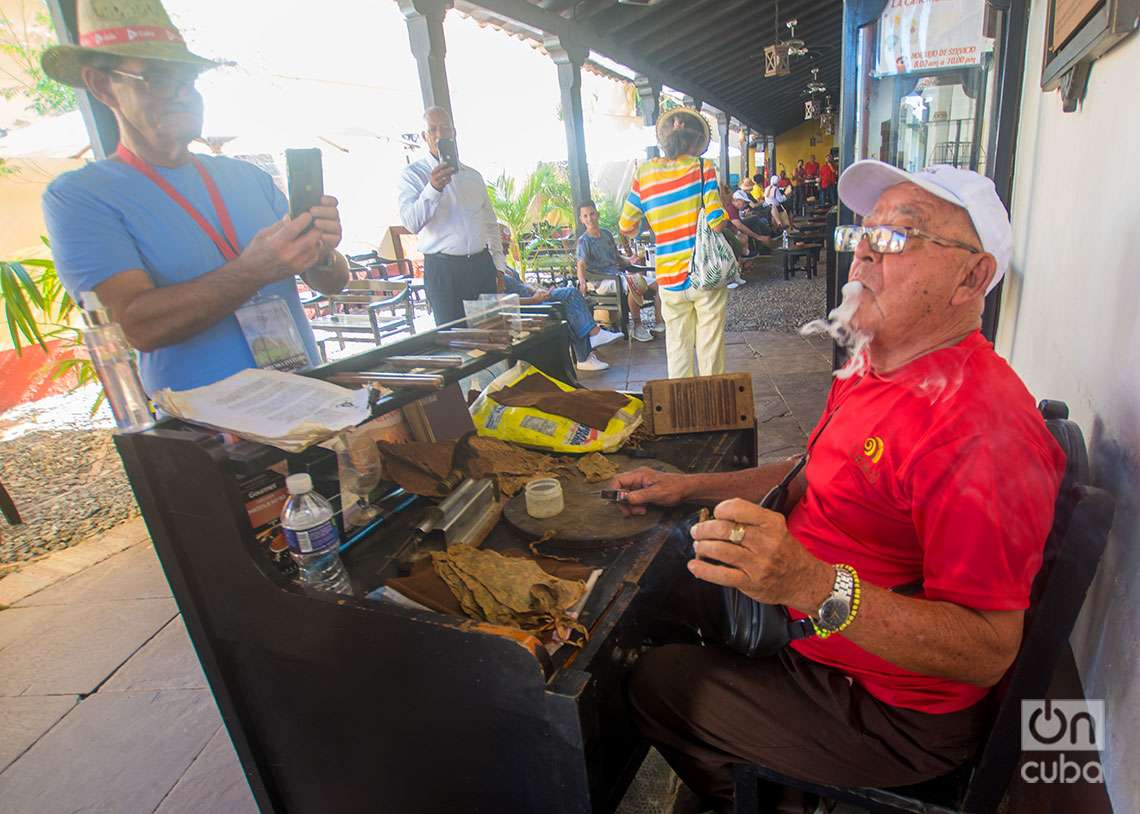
(669, 193)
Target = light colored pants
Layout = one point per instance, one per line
(694, 320)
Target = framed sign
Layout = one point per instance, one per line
(926, 35)
(1077, 32)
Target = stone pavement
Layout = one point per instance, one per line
(791, 376)
(103, 707)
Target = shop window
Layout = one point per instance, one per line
(927, 83)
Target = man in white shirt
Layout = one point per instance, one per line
(457, 232)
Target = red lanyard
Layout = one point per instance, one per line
(227, 245)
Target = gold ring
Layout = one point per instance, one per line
(737, 534)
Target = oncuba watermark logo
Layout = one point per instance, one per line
(1073, 725)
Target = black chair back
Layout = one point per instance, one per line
(1081, 524)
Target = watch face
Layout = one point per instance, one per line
(833, 612)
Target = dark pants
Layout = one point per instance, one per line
(449, 280)
(707, 708)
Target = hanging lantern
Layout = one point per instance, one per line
(776, 60)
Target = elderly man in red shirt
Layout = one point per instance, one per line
(930, 466)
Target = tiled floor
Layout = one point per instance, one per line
(103, 706)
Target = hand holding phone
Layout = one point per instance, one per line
(448, 152)
(305, 179)
(441, 175)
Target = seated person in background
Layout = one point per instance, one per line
(748, 228)
(758, 186)
(774, 199)
(930, 468)
(742, 197)
(585, 334)
(598, 254)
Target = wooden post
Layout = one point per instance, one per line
(650, 93)
(723, 122)
(425, 33)
(745, 154)
(100, 122)
(568, 57)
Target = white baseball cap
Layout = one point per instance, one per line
(863, 182)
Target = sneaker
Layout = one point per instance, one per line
(733, 285)
(603, 337)
(592, 363)
(658, 328)
(641, 334)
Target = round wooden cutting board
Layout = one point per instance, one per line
(586, 516)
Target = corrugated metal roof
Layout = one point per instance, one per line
(712, 50)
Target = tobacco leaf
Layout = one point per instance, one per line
(597, 467)
(509, 590)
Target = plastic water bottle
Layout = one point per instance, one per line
(114, 362)
(784, 240)
(314, 542)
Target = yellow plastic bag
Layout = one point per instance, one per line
(535, 428)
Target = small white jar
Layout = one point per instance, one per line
(544, 498)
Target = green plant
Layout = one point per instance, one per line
(37, 308)
(608, 211)
(46, 96)
(526, 209)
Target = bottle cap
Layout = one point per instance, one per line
(299, 484)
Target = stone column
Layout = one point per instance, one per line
(568, 57)
(425, 33)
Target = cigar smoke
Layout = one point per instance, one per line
(838, 327)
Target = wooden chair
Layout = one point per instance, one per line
(355, 314)
(616, 302)
(1081, 522)
(400, 244)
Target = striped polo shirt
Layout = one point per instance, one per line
(667, 192)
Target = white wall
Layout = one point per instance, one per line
(1070, 326)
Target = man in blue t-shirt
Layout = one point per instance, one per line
(598, 254)
(195, 256)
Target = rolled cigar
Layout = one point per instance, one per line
(423, 381)
(476, 345)
(471, 332)
(437, 362)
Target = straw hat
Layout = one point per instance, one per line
(134, 29)
(665, 124)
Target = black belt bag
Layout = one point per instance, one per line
(754, 628)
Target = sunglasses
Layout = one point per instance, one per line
(161, 85)
(890, 239)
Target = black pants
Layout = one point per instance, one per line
(449, 280)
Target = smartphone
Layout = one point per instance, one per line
(306, 179)
(448, 152)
